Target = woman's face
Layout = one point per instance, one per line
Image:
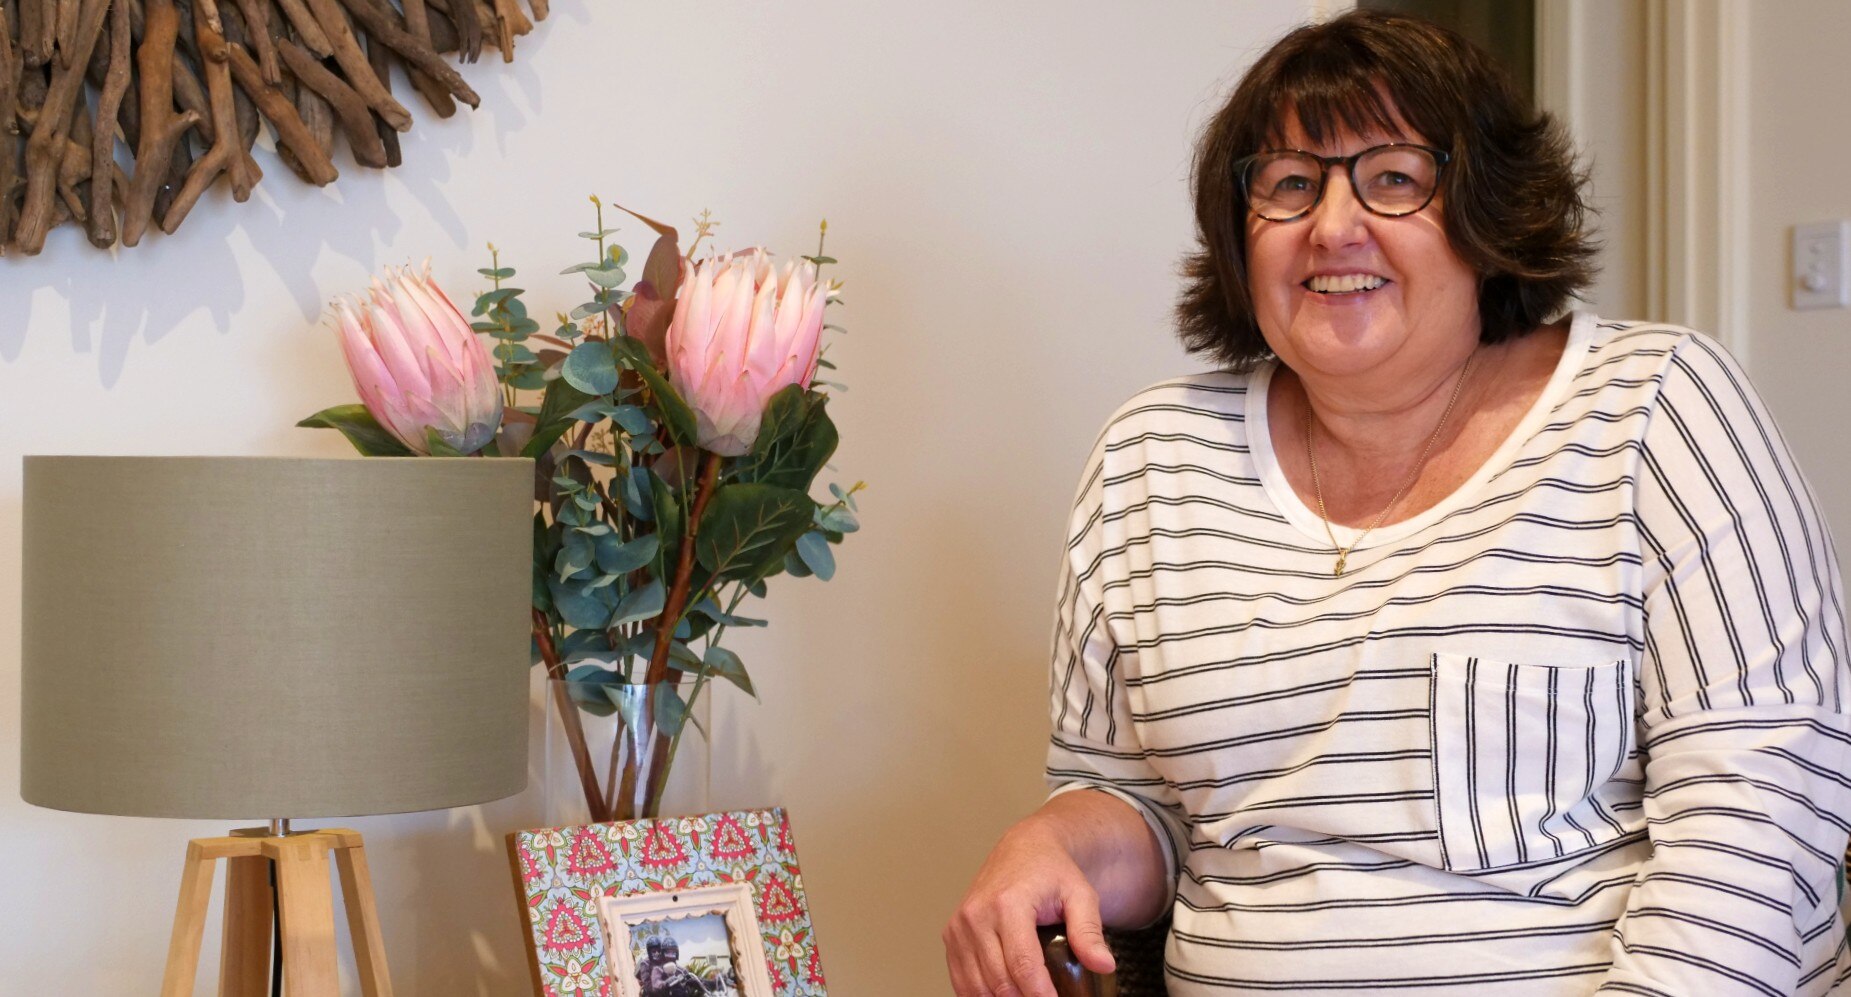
(1423, 317)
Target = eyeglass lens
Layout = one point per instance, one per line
(1389, 180)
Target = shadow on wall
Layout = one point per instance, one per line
(225, 252)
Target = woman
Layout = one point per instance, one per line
(1432, 645)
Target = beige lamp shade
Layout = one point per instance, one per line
(226, 637)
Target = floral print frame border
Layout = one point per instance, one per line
(563, 874)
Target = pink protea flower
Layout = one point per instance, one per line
(417, 364)
(742, 330)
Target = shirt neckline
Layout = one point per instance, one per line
(1307, 521)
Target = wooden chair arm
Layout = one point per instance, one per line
(1070, 978)
(1138, 952)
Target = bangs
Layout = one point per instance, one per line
(1335, 90)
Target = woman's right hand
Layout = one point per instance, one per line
(1030, 879)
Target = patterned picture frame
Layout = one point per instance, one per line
(732, 902)
(563, 874)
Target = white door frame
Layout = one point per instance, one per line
(1694, 152)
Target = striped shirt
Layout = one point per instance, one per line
(1578, 728)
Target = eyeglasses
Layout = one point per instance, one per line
(1389, 180)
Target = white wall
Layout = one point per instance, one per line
(1005, 187)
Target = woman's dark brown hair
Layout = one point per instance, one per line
(1512, 194)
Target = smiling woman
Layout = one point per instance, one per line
(1442, 639)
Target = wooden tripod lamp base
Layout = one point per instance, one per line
(305, 901)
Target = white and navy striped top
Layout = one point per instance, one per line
(1578, 728)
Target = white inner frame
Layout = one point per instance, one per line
(733, 901)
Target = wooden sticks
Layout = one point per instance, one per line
(124, 113)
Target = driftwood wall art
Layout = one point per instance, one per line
(184, 87)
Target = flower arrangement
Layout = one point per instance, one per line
(677, 428)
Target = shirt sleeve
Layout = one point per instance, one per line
(1741, 686)
(1094, 741)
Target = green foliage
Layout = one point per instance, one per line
(727, 665)
(676, 414)
(557, 408)
(747, 528)
(813, 547)
(361, 429)
(591, 368)
(795, 439)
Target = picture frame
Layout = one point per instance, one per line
(685, 918)
(562, 875)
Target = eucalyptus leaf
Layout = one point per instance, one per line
(489, 299)
(591, 368)
(575, 556)
(670, 526)
(362, 430)
(556, 407)
(620, 558)
(640, 645)
(591, 697)
(711, 610)
(726, 664)
(629, 699)
(795, 565)
(597, 672)
(597, 457)
(639, 604)
(636, 494)
(682, 657)
(501, 273)
(838, 518)
(579, 606)
(813, 547)
(671, 709)
(607, 277)
(633, 420)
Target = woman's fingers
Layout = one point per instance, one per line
(1085, 931)
(992, 950)
(1023, 961)
(966, 975)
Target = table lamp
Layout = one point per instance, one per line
(224, 637)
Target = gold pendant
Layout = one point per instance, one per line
(1342, 557)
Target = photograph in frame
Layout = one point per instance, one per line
(700, 942)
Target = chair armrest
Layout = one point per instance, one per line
(1070, 978)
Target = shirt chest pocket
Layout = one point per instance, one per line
(1520, 755)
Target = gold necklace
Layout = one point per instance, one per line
(1317, 488)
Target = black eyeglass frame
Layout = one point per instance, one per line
(1244, 166)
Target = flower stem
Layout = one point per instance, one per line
(595, 800)
(656, 778)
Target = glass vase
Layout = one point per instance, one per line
(598, 772)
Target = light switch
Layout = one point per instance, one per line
(1822, 265)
